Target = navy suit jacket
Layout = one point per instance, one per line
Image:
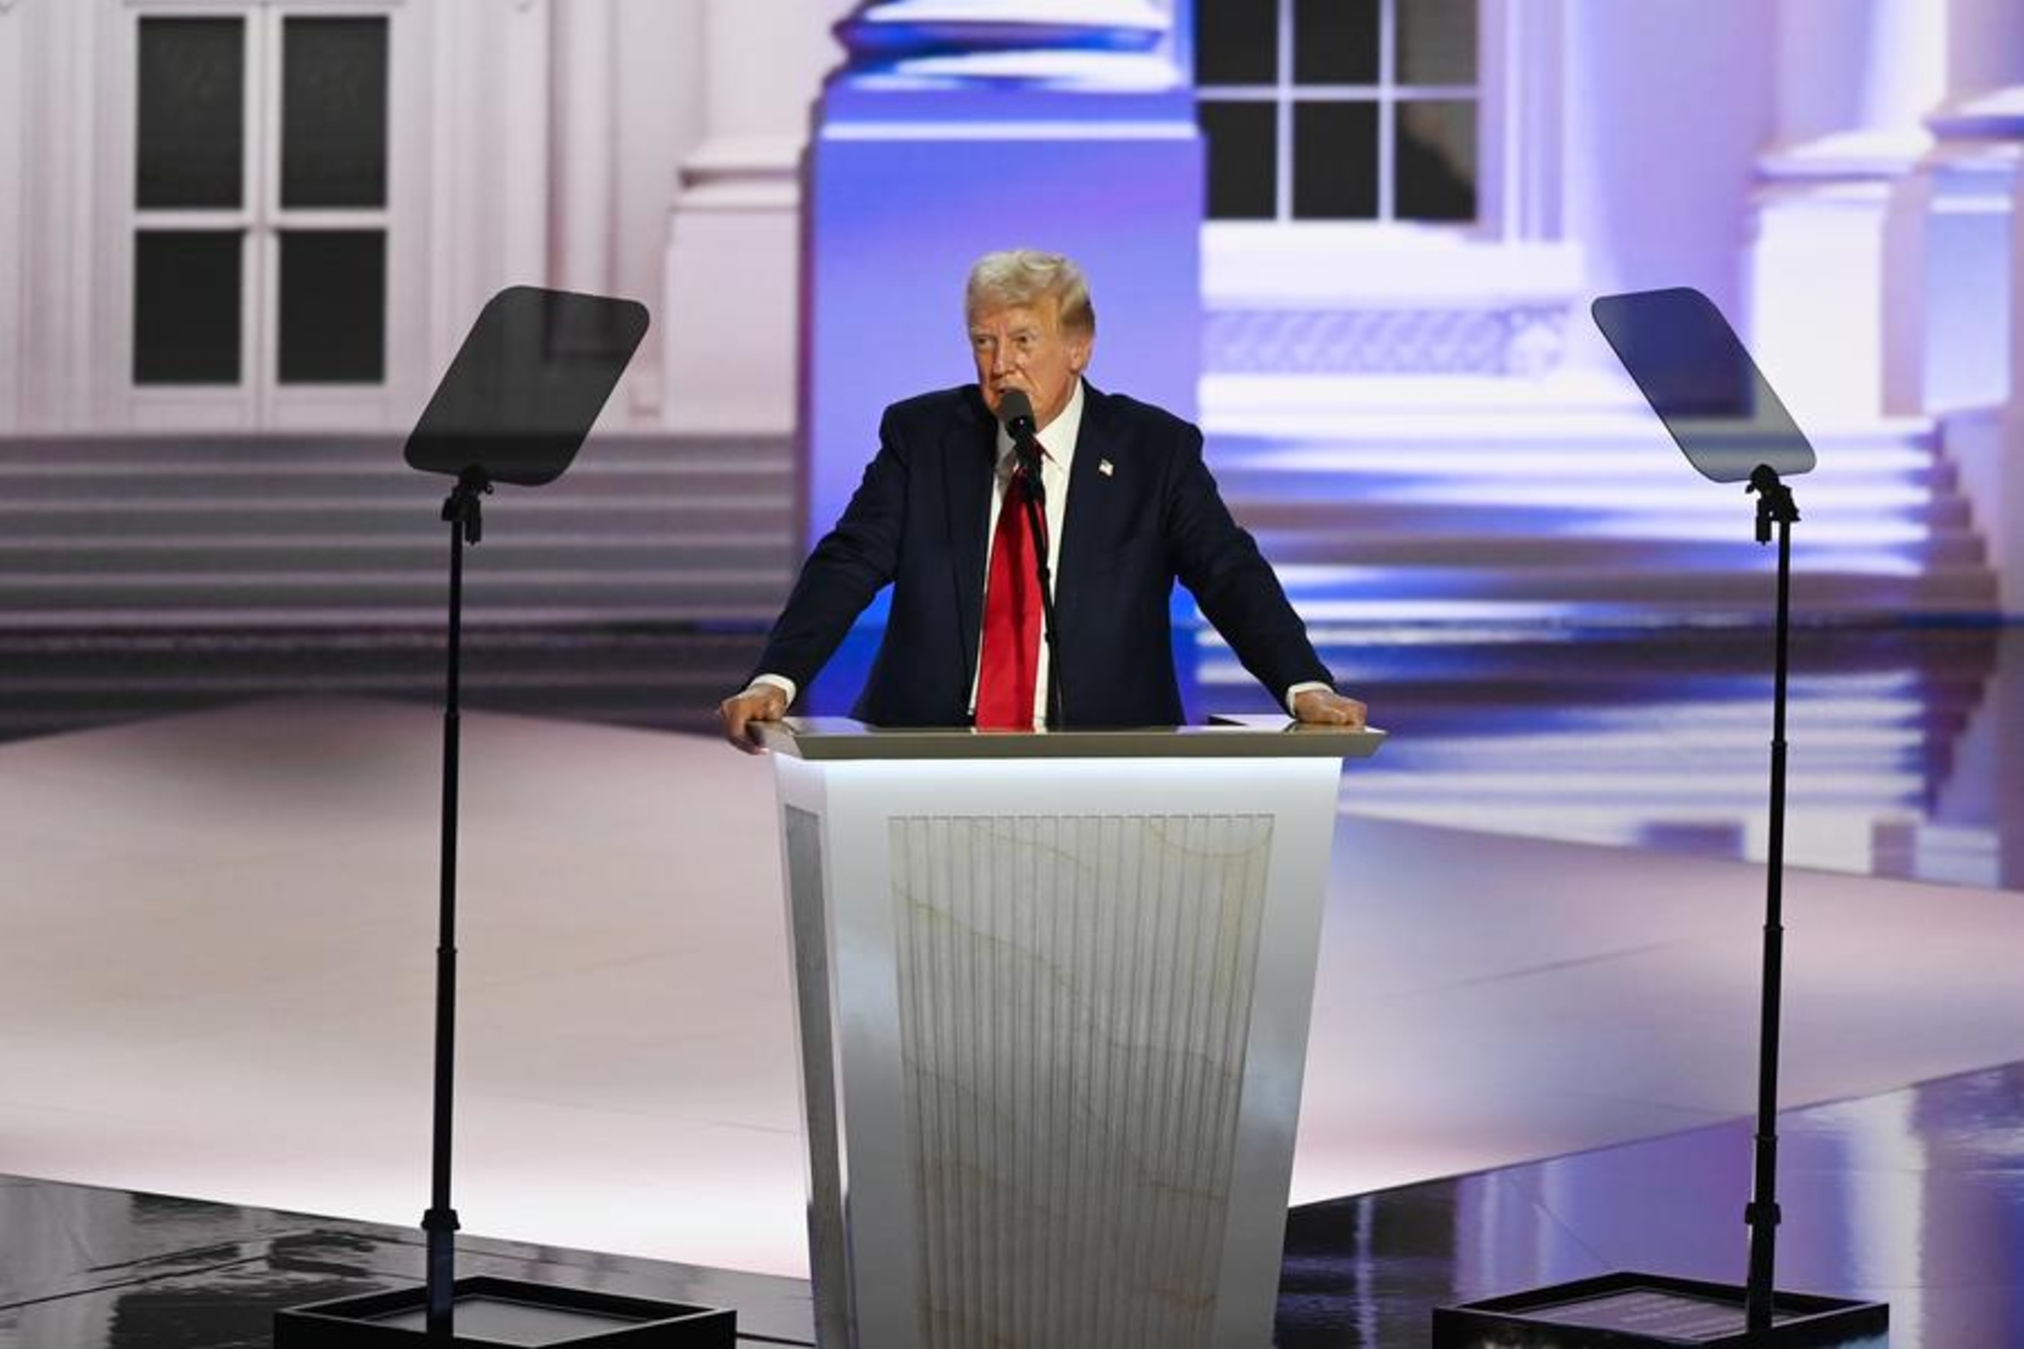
(919, 521)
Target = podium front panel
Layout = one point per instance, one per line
(1053, 1019)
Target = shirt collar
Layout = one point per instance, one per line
(1058, 437)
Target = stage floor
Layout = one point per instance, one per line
(216, 946)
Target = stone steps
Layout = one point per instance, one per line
(209, 532)
(53, 680)
(1657, 738)
(1512, 504)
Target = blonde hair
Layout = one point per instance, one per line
(1023, 276)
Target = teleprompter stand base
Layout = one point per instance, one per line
(493, 1313)
(1626, 1310)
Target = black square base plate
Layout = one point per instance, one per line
(1627, 1310)
(492, 1313)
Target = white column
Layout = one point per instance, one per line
(1951, 249)
(1985, 61)
(1997, 487)
(1855, 78)
(1955, 301)
(489, 77)
(731, 288)
(13, 212)
(523, 107)
(1982, 126)
(2016, 399)
(583, 147)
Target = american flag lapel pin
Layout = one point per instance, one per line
(1105, 467)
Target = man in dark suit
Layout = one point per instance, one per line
(1129, 508)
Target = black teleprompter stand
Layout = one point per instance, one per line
(1679, 349)
(543, 341)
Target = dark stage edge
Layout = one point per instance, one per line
(1912, 1197)
(89, 1268)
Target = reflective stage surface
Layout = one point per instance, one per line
(1913, 1197)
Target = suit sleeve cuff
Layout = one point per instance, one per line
(1295, 692)
(781, 682)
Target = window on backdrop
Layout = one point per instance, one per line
(260, 199)
(1334, 110)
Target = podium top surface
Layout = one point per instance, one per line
(839, 739)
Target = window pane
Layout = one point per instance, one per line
(1334, 161)
(192, 131)
(1437, 42)
(186, 306)
(1335, 41)
(1242, 160)
(1436, 159)
(333, 306)
(1237, 42)
(334, 112)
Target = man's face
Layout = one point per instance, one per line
(1024, 347)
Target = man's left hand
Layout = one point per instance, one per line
(1325, 707)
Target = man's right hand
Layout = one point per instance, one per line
(761, 702)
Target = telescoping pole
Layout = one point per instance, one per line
(466, 520)
(1774, 507)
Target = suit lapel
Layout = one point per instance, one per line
(969, 462)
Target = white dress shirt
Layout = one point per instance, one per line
(1057, 441)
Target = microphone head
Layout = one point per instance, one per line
(1015, 410)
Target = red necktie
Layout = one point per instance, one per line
(1009, 665)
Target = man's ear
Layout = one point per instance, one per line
(1079, 350)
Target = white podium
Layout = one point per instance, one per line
(1053, 994)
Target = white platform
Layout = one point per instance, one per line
(216, 939)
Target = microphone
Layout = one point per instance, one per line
(1015, 410)
(1015, 413)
